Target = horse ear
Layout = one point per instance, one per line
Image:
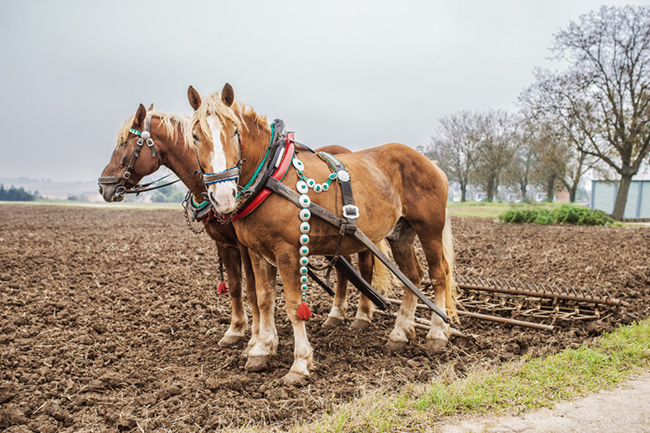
(194, 97)
(228, 94)
(138, 121)
(150, 107)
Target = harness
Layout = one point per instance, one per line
(276, 163)
(282, 146)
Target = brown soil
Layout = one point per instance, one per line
(109, 320)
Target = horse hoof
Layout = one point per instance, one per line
(332, 322)
(395, 346)
(360, 325)
(257, 363)
(435, 345)
(294, 379)
(229, 340)
(244, 353)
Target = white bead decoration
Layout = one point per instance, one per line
(302, 187)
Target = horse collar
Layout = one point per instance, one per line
(277, 169)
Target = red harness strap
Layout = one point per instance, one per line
(279, 174)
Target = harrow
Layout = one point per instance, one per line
(506, 301)
(540, 302)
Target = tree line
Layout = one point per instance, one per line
(594, 115)
(15, 194)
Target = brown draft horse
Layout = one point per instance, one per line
(399, 194)
(168, 135)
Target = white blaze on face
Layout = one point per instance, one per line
(222, 194)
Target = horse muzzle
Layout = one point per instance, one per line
(223, 196)
(112, 193)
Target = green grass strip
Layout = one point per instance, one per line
(527, 384)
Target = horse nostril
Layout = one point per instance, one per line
(234, 194)
(101, 191)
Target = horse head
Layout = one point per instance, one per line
(216, 126)
(126, 166)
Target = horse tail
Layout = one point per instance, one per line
(382, 278)
(448, 256)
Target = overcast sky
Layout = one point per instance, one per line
(355, 73)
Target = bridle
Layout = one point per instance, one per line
(125, 179)
(229, 174)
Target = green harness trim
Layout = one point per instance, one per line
(259, 167)
(329, 163)
(135, 131)
(199, 206)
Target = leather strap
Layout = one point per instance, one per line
(350, 211)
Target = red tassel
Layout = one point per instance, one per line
(304, 313)
(222, 288)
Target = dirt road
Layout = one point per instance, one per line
(625, 408)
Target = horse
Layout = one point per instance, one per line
(168, 148)
(167, 132)
(398, 194)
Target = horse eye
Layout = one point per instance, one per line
(123, 163)
(195, 137)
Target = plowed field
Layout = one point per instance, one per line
(109, 320)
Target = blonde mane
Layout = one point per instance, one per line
(169, 121)
(237, 113)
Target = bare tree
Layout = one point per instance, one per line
(496, 145)
(518, 173)
(557, 144)
(551, 155)
(453, 146)
(605, 92)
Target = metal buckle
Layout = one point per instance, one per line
(150, 142)
(350, 212)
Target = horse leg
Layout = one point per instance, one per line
(303, 354)
(267, 336)
(363, 318)
(336, 316)
(401, 243)
(231, 260)
(438, 250)
(251, 294)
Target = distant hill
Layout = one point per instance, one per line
(51, 189)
